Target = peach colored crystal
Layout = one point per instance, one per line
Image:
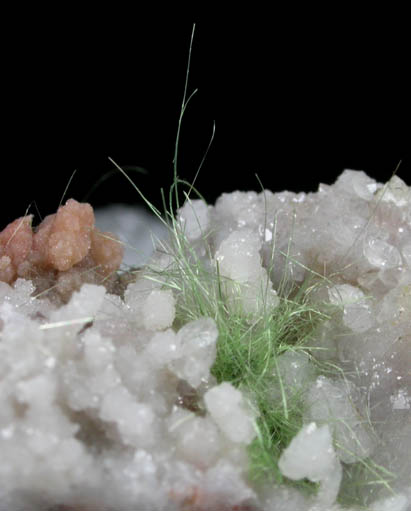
(16, 242)
(64, 244)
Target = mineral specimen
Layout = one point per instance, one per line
(123, 401)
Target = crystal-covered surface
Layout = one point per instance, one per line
(110, 399)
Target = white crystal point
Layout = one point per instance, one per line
(198, 439)
(151, 307)
(381, 254)
(295, 370)
(357, 314)
(134, 420)
(396, 192)
(159, 309)
(311, 455)
(196, 351)
(81, 308)
(239, 256)
(231, 413)
(245, 282)
(194, 218)
(357, 182)
(345, 294)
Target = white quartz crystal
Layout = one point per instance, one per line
(311, 455)
(295, 370)
(153, 308)
(231, 413)
(396, 192)
(196, 351)
(247, 284)
(159, 309)
(194, 218)
(198, 439)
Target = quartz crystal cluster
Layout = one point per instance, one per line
(108, 400)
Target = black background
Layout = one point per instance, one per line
(295, 103)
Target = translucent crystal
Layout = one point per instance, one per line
(230, 412)
(196, 351)
(334, 403)
(396, 192)
(311, 455)
(381, 254)
(194, 217)
(245, 282)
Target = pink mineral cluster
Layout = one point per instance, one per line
(64, 251)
